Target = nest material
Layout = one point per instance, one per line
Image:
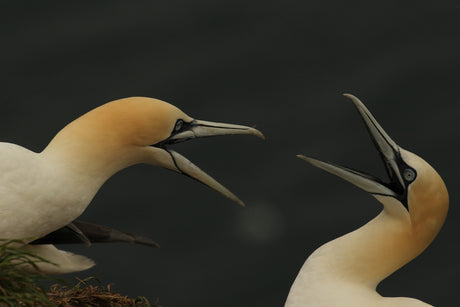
(84, 294)
(18, 287)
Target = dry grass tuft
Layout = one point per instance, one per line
(85, 294)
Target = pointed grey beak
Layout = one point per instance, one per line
(387, 148)
(389, 153)
(200, 128)
(362, 180)
(166, 158)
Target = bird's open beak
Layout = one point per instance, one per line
(172, 160)
(389, 153)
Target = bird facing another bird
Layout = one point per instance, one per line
(41, 195)
(347, 270)
(43, 192)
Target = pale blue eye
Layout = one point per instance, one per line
(178, 125)
(409, 174)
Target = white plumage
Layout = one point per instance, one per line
(42, 192)
(346, 271)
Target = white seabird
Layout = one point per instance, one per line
(42, 192)
(346, 271)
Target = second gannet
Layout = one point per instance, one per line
(43, 192)
(347, 270)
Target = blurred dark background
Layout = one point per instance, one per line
(279, 65)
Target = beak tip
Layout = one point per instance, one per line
(355, 100)
(302, 157)
(239, 201)
(257, 133)
(350, 96)
(312, 161)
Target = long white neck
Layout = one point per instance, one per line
(361, 258)
(346, 271)
(370, 253)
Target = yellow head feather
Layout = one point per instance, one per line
(428, 199)
(113, 136)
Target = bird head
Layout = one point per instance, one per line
(414, 191)
(138, 130)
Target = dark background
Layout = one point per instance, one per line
(279, 65)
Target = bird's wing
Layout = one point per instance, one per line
(84, 232)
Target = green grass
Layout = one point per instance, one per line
(18, 287)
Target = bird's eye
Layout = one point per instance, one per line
(178, 125)
(409, 174)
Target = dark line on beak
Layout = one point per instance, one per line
(382, 136)
(175, 163)
(181, 171)
(220, 127)
(381, 194)
(184, 173)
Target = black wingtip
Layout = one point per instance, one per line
(79, 232)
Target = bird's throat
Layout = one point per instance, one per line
(369, 254)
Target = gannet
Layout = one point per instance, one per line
(347, 270)
(43, 192)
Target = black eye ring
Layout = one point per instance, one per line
(179, 124)
(409, 174)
